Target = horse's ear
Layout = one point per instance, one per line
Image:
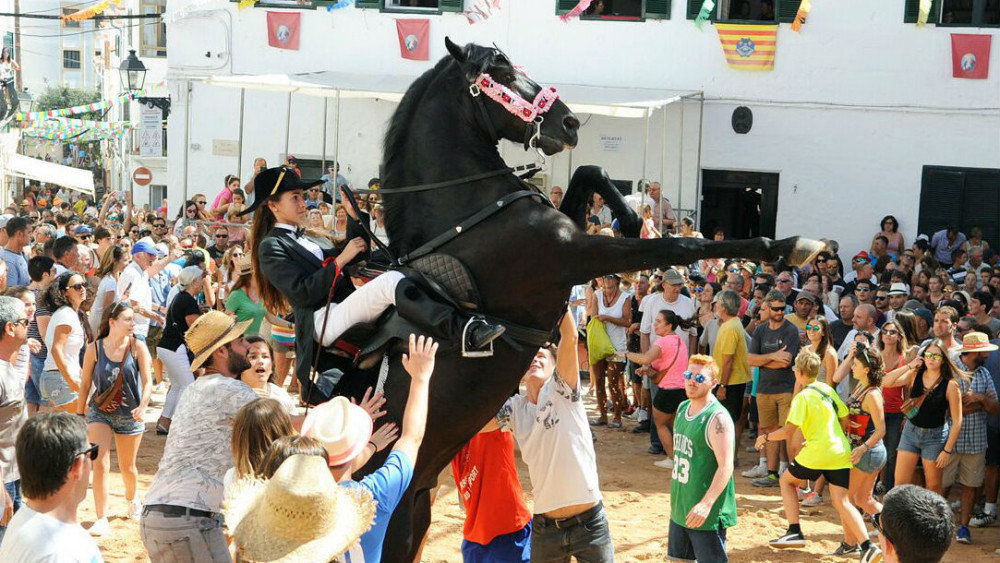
(457, 52)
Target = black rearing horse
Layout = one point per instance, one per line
(525, 259)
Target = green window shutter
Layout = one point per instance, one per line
(451, 5)
(368, 4)
(787, 10)
(563, 6)
(657, 9)
(912, 8)
(694, 6)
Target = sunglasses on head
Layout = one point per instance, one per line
(933, 356)
(697, 377)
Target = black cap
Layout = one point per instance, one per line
(274, 181)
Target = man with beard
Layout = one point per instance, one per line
(182, 520)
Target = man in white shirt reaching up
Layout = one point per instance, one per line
(551, 428)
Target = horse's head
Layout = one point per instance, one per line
(520, 110)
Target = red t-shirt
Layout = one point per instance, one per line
(893, 396)
(487, 481)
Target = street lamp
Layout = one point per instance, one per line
(133, 76)
(25, 102)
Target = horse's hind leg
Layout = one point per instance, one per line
(587, 180)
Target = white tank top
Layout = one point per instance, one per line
(617, 333)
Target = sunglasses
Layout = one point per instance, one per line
(221, 236)
(865, 289)
(91, 452)
(698, 289)
(821, 261)
(201, 202)
(22, 322)
(860, 261)
(697, 377)
(84, 237)
(77, 286)
(159, 226)
(881, 297)
(890, 332)
(783, 280)
(813, 328)
(777, 309)
(734, 270)
(933, 356)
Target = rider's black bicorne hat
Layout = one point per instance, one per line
(274, 181)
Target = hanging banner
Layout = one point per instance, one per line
(283, 30)
(580, 8)
(748, 47)
(87, 108)
(88, 13)
(413, 39)
(970, 55)
(185, 11)
(339, 5)
(800, 17)
(923, 12)
(705, 13)
(246, 3)
(481, 11)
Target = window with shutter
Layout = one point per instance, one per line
(693, 7)
(417, 6)
(563, 6)
(912, 7)
(657, 9)
(368, 4)
(967, 197)
(451, 5)
(787, 10)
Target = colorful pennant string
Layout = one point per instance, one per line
(800, 17)
(580, 8)
(482, 10)
(88, 13)
(86, 108)
(923, 12)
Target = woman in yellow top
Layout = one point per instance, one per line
(823, 418)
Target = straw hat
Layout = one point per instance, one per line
(210, 332)
(244, 266)
(300, 514)
(343, 427)
(976, 342)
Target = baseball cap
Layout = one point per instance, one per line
(805, 296)
(673, 277)
(145, 246)
(4, 218)
(863, 255)
(83, 230)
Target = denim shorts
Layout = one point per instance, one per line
(55, 390)
(928, 442)
(874, 459)
(119, 423)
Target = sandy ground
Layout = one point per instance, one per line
(636, 495)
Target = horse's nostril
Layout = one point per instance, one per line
(571, 123)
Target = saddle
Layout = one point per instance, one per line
(442, 277)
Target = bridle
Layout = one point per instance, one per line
(531, 113)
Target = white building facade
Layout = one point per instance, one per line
(859, 119)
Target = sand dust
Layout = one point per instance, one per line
(636, 495)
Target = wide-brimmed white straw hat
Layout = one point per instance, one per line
(300, 514)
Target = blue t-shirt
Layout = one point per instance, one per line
(17, 268)
(387, 485)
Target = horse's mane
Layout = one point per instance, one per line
(397, 134)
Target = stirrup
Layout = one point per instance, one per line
(466, 353)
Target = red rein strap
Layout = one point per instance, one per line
(326, 317)
(512, 101)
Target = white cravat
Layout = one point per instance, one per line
(303, 241)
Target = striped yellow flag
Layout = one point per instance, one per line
(748, 47)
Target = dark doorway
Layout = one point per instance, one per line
(745, 204)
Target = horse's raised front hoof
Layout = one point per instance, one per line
(803, 250)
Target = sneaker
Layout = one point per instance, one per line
(134, 509)
(872, 555)
(655, 450)
(963, 535)
(983, 520)
(802, 493)
(642, 428)
(789, 540)
(756, 472)
(100, 527)
(846, 549)
(665, 463)
(767, 481)
(956, 506)
(642, 416)
(812, 500)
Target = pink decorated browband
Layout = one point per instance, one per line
(512, 101)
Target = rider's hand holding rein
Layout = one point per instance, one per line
(353, 248)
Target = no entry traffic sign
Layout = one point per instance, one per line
(142, 176)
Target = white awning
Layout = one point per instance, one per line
(602, 100)
(65, 176)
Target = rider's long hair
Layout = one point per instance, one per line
(263, 222)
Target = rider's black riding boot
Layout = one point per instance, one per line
(442, 321)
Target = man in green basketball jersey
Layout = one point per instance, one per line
(822, 416)
(701, 508)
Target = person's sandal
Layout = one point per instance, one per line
(161, 431)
